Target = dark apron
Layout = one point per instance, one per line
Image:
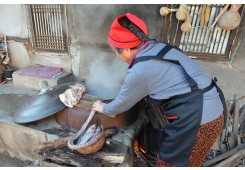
(184, 112)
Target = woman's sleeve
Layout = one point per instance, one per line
(134, 89)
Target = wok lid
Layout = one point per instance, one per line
(39, 107)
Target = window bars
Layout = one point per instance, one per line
(49, 27)
(203, 42)
(202, 39)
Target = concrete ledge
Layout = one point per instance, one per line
(19, 140)
(20, 143)
(32, 82)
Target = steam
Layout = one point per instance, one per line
(103, 72)
(105, 76)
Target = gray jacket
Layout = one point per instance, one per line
(162, 80)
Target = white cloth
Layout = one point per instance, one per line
(72, 96)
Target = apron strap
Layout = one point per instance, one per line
(206, 89)
(222, 98)
(160, 56)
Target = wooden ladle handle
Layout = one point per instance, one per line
(222, 12)
(218, 17)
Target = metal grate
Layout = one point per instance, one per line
(49, 27)
(203, 39)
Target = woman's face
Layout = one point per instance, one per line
(126, 55)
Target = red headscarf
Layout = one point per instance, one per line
(121, 37)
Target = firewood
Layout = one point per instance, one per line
(51, 144)
(232, 160)
(242, 115)
(229, 108)
(224, 155)
(65, 156)
(235, 118)
(242, 124)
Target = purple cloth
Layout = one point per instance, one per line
(41, 71)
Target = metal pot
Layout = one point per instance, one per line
(40, 107)
(73, 118)
(8, 71)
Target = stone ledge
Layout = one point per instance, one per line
(32, 82)
(18, 141)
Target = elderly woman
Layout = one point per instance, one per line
(186, 94)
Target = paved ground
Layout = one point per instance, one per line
(10, 99)
(10, 162)
(231, 78)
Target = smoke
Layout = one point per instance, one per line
(105, 76)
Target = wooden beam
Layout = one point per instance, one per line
(232, 160)
(224, 155)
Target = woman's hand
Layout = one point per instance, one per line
(98, 106)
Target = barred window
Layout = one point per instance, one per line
(205, 41)
(49, 27)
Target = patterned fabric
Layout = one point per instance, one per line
(206, 137)
(162, 163)
(41, 71)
